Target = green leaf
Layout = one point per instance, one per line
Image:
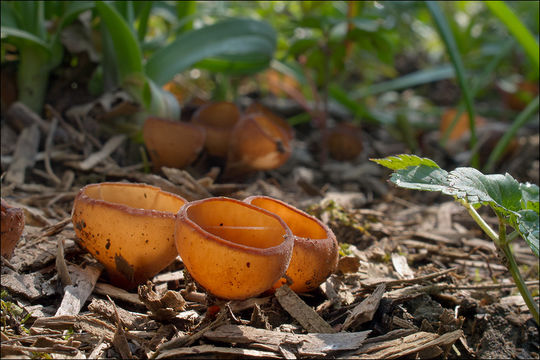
(126, 46)
(528, 225)
(413, 172)
(529, 197)
(501, 191)
(18, 35)
(403, 161)
(231, 37)
(518, 203)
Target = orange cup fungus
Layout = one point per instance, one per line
(129, 228)
(218, 119)
(233, 249)
(172, 143)
(278, 120)
(315, 252)
(259, 144)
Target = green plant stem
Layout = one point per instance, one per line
(33, 76)
(503, 244)
(514, 270)
(481, 222)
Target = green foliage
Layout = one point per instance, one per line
(507, 197)
(515, 204)
(233, 45)
(518, 29)
(40, 51)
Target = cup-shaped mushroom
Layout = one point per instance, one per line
(129, 228)
(172, 143)
(233, 249)
(218, 119)
(315, 253)
(345, 142)
(259, 108)
(259, 144)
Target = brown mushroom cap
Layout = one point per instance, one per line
(315, 253)
(12, 226)
(259, 144)
(462, 125)
(255, 108)
(129, 228)
(344, 142)
(218, 119)
(172, 143)
(233, 249)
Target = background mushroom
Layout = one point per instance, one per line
(218, 119)
(172, 143)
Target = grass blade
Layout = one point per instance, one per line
(413, 79)
(451, 47)
(516, 28)
(521, 120)
(127, 51)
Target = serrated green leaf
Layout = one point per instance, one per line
(421, 177)
(501, 191)
(404, 161)
(528, 225)
(529, 197)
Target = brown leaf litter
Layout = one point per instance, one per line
(416, 278)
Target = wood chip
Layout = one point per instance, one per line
(129, 319)
(84, 280)
(32, 286)
(401, 266)
(183, 178)
(117, 293)
(219, 351)
(61, 267)
(419, 279)
(85, 323)
(56, 349)
(119, 340)
(187, 340)
(110, 146)
(314, 344)
(304, 314)
(25, 153)
(405, 346)
(364, 311)
(170, 276)
(99, 349)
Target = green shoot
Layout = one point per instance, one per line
(516, 204)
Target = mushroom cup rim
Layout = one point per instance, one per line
(288, 237)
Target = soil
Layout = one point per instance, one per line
(443, 278)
